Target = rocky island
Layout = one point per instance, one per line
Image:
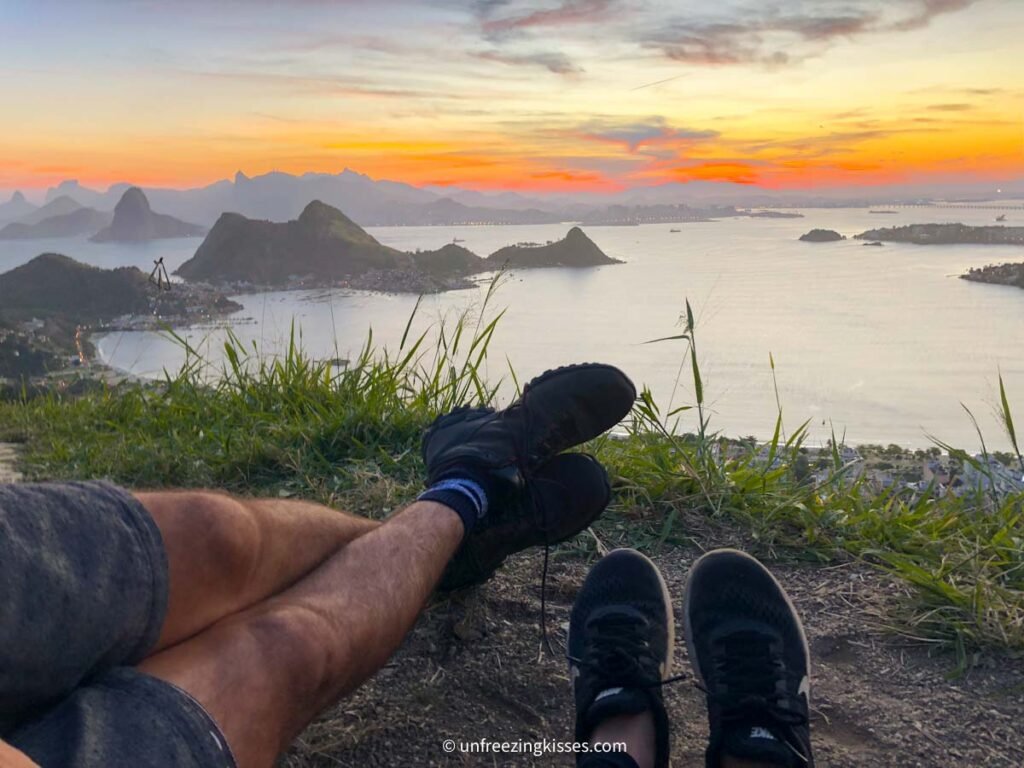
(997, 274)
(324, 248)
(947, 234)
(135, 222)
(321, 247)
(575, 250)
(772, 214)
(821, 236)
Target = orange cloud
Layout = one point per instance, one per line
(737, 173)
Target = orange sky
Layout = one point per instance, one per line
(531, 95)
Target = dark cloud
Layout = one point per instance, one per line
(744, 42)
(773, 38)
(950, 107)
(926, 11)
(825, 27)
(495, 24)
(654, 130)
(714, 48)
(555, 62)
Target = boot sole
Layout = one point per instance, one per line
(550, 374)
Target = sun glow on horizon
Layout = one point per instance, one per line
(542, 96)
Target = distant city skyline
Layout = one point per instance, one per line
(535, 96)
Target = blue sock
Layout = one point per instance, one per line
(462, 495)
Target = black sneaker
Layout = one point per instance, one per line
(557, 410)
(621, 636)
(564, 496)
(749, 652)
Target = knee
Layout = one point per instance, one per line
(208, 531)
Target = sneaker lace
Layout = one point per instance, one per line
(748, 674)
(619, 654)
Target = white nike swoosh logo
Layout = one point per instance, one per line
(805, 687)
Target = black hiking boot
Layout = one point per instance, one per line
(557, 410)
(621, 636)
(749, 653)
(507, 452)
(563, 497)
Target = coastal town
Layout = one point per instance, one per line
(887, 469)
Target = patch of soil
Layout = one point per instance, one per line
(8, 456)
(473, 668)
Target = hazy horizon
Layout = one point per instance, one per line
(535, 96)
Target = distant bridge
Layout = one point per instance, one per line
(976, 206)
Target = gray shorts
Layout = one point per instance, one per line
(83, 595)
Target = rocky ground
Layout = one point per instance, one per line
(473, 669)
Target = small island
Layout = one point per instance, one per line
(821, 236)
(947, 234)
(135, 222)
(575, 250)
(772, 214)
(997, 274)
(325, 248)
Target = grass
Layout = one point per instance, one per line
(349, 437)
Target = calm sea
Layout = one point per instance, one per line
(883, 344)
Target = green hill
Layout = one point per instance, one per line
(324, 247)
(52, 284)
(947, 234)
(997, 274)
(821, 236)
(322, 244)
(449, 260)
(574, 250)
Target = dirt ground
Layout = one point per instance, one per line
(8, 474)
(471, 670)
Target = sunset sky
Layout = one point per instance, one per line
(533, 95)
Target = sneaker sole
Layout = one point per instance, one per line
(688, 631)
(671, 618)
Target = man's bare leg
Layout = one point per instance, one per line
(226, 554)
(266, 672)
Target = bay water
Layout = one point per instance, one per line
(881, 344)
